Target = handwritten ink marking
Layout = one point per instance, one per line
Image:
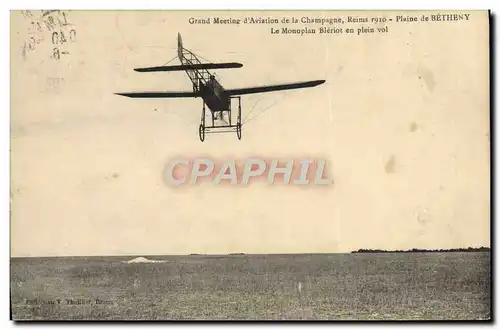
(72, 35)
(55, 38)
(50, 24)
(27, 14)
(48, 12)
(56, 54)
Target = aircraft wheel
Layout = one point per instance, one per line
(238, 130)
(201, 132)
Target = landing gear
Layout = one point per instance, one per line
(238, 130)
(201, 129)
(201, 132)
(219, 115)
(238, 120)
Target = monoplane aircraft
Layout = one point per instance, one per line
(205, 85)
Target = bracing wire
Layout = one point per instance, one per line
(203, 58)
(170, 60)
(253, 108)
(246, 120)
(184, 118)
(257, 115)
(206, 59)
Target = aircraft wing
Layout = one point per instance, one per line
(191, 67)
(159, 94)
(272, 88)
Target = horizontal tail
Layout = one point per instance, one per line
(199, 66)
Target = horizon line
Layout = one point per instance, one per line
(373, 250)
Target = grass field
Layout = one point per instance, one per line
(401, 286)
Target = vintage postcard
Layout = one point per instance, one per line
(250, 165)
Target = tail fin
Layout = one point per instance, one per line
(179, 46)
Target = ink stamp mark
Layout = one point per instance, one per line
(52, 25)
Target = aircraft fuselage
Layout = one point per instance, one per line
(214, 95)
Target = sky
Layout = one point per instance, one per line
(402, 120)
